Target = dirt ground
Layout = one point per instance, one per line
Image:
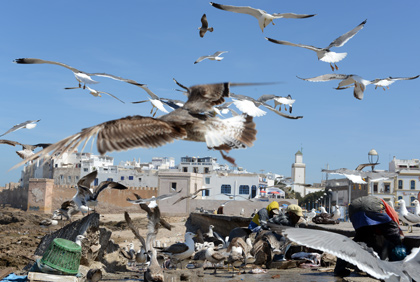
(20, 234)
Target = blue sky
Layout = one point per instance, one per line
(155, 41)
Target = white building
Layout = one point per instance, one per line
(298, 174)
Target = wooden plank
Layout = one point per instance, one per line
(38, 276)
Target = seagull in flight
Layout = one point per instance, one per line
(262, 16)
(250, 106)
(354, 253)
(358, 82)
(27, 150)
(214, 57)
(96, 93)
(29, 124)
(204, 26)
(386, 82)
(81, 76)
(192, 122)
(158, 198)
(324, 54)
(191, 196)
(86, 197)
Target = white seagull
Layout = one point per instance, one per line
(181, 251)
(29, 124)
(346, 79)
(262, 16)
(96, 93)
(27, 150)
(153, 198)
(324, 54)
(350, 251)
(204, 26)
(386, 82)
(416, 207)
(407, 217)
(82, 77)
(286, 101)
(214, 57)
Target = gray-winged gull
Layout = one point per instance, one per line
(324, 54)
(96, 93)
(386, 82)
(214, 57)
(29, 124)
(181, 251)
(262, 16)
(407, 217)
(191, 196)
(204, 26)
(347, 80)
(81, 77)
(350, 251)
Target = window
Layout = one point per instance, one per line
(122, 177)
(387, 187)
(76, 179)
(205, 192)
(375, 187)
(225, 189)
(95, 183)
(69, 179)
(400, 184)
(173, 186)
(85, 169)
(412, 184)
(411, 201)
(206, 170)
(110, 179)
(130, 177)
(207, 180)
(195, 169)
(244, 189)
(400, 197)
(185, 169)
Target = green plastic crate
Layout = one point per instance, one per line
(63, 255)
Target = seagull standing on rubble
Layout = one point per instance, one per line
(407, 217)
(190, 122)
(324, 54)
(262, 16)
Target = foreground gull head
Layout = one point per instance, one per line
(358, 82)
(350, 251)
(324, 54)
(262, 16)
(214, 57)
(193, 122)
(386, 82)
(29, 124)
(204, 26)
(407, 217)
(81, 76)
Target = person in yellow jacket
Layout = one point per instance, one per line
(263, 215)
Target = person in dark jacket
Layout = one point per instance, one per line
(376, 225)
(263, 215)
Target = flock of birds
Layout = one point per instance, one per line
(197, 120)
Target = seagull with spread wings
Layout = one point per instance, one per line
(324, 54)
(27, 150)
(29, 124)
(214, 57)
(250, 106)
(191, 196)
(96, 93)
(192, 122)
(81, 76)
(86, 197)
(158, 198)
(386, 82)
(354, 253)
(204, 26)
(262, 16)
(347, 80)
